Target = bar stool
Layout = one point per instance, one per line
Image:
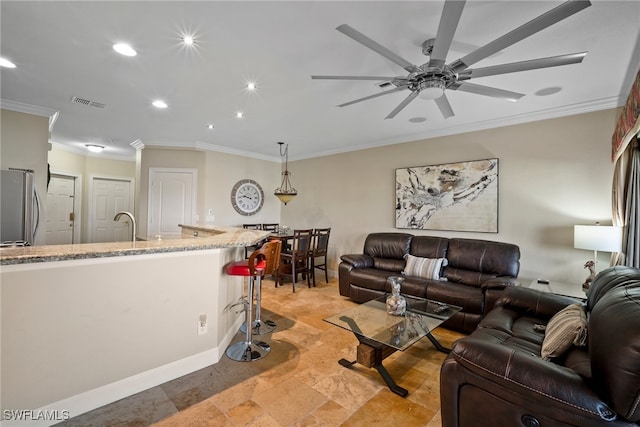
(272, 253)
(253, 268)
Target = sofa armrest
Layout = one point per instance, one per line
(533, 301)
(499, 282)
(358, 260)
(521, 374)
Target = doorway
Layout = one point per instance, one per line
(62, 219)
(109, 196)
(172, 200)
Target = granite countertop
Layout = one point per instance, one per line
(227, 238)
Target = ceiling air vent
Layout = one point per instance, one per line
(87, 102)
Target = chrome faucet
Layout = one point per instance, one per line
(133, 221)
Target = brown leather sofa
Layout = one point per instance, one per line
(497, 377)
(476, 274)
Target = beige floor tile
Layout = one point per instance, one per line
(203, 414)
(387, 408)
(245, 413)
(290, 401)
(329, 415)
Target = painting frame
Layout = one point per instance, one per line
(460, 196)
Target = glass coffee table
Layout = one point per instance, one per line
(381, 334)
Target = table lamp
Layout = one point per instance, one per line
(607, 238)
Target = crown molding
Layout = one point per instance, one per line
(204, 146)
(547, 114)
(21, 107)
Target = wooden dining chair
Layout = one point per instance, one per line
(296, 260)
(270, 227)
(319, 250)
(249, 249)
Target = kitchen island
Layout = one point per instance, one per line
(85, 325)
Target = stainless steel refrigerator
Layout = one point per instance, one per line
(19, 208)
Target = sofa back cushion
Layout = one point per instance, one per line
(388, 250)
(472, 261)
(608, 279)
(429, 247)
(614, 342)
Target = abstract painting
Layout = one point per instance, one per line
(453, 196)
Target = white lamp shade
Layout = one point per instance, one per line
(605, 238)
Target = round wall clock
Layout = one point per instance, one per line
(247, 197)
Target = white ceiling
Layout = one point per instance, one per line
(64, 49)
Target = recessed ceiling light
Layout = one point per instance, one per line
(94, 148)
(188, 40)
(251, 86)
(4, 62)
(239, 115)
(209, 126)
(124, 49)
(159, 104)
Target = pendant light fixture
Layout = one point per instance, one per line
(285, 192)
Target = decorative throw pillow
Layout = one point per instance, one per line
(566, 328)
(427, 268)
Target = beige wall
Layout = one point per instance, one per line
(24, 141)
(217, 174)
(553, 174)
(85, 168)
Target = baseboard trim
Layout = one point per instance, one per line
(109, 393)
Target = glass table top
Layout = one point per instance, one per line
(371, 320)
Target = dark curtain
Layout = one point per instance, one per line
(631, 236)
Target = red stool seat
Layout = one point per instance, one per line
(241, 268)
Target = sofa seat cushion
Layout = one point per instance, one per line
(512, 322)
(372, 278)
(414, 286)
(466, 277)
(508, 340)
(469, 298)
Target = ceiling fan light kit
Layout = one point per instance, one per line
(432, 79)
(431, 88)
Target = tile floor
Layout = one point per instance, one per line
(300, 383)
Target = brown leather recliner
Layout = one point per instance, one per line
(496, 376)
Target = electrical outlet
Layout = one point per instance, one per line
(203, 324)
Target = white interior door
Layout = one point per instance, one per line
(60, 217)
(172, 200)
(110, 196)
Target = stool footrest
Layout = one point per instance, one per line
(244, 351)
(260, 327)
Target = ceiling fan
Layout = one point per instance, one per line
(431, 79)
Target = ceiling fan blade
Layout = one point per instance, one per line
(486, 91)
(446, 29)
(540, 23)
(533, 64)
(378, 78)
(403, 104)
(444, 106)
(375, 95)
(377, 47)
